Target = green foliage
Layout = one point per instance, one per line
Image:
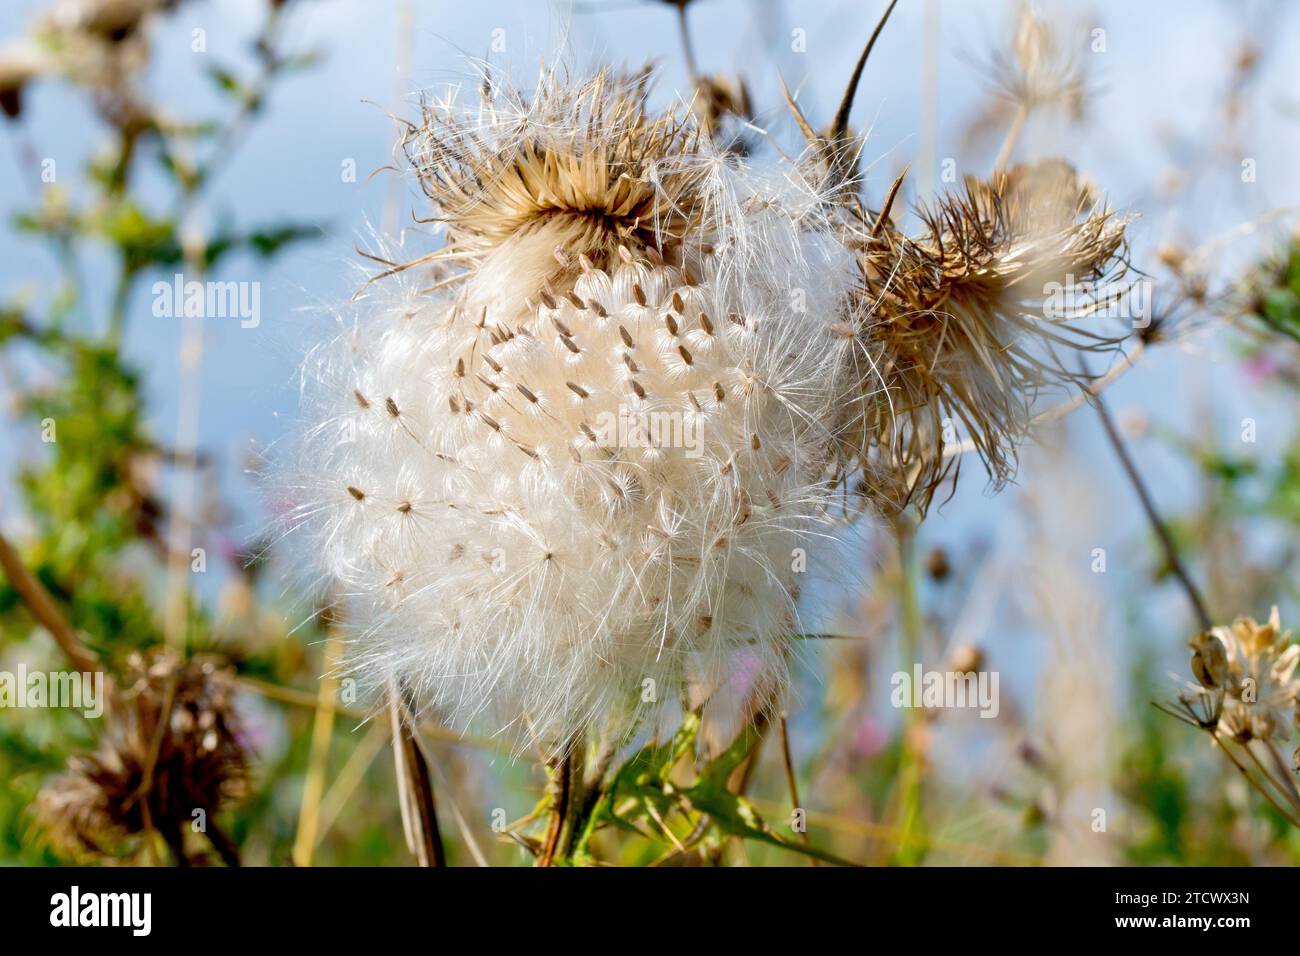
(97, 536)
(1276, 289)
(645, 797)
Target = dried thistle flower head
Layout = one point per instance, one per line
(567, 483)
(1246, 682)
(719, 99)
(170, 746)
(582, 167)
(101, 44)
(1039, 73)
(956, 336)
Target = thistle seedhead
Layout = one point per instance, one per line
(170, 746)
(569, 480)
(586, 167)
(1039, 73)
(572, 482)
(719, 102)
(953, 332)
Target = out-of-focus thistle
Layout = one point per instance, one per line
(20, 62)
(721, 101)
(99, 44)
(169, 759)
(111, 20)
(1039, 73)
(1271, 291)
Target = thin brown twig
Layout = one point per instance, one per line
(840, 125)
(684, 28)
(414, 786)
(792, 783)
(1284, 786)
(1172, 557)
(466, 832)
(141, 792)
(562, 790)
(42, 607)
(1250, 779)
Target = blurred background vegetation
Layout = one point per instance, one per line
(152, 415)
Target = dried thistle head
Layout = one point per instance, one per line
(1039, 73)
(955, 336)
(1246, 676)
(102, 45)
(171, 745)
(1033, 73)
(585, 167)
(718, 99)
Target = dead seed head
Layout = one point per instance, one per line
(589, 156)
(955, 340)
(171, 745)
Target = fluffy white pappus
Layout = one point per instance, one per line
(555, 506)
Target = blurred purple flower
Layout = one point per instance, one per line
(870, 737)
(1260, 368)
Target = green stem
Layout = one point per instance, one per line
(117, 310)
(910, 848)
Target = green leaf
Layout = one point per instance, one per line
(227, 82)
(737, 817)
